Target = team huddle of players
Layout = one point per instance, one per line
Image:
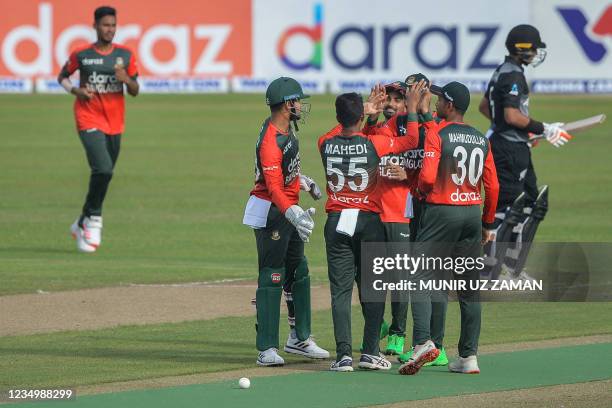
(416, 176)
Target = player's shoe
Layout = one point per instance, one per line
(441, 360)
(270, 358)
(370, 362)
(403, 358)
(78, 234)
(507, 274)
(395, 345)
(93, 230)
(421, 355)
(465, 365)
(345, 364)
(307, 348)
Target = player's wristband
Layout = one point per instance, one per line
(488, 225)
(427, 117)
(535, 127)
(412, 117)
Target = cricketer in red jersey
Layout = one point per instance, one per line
(351, 162)
(105, 69)
(281, 227)
(398, 172)
(457, 164)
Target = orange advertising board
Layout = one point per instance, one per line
(171, 38)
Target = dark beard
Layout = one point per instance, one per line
(389, 113)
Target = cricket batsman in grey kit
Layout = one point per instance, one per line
(521, 204)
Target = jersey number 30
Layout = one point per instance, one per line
(474, 166)
(352, 172)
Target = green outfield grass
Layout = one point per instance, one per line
(174, 209)
(140, 352)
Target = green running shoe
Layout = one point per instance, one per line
(395, 345)
(403, 358)
(442, 360)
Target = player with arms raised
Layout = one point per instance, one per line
(351, 161)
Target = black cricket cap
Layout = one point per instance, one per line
(415, 79)
(454, 92)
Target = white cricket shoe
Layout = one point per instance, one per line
(345, 364)
(270, 358)
(78, 234)
(422, 354)
(307, 348)
(370, 362)
(464, 365)
(508, 275)
(93, 230)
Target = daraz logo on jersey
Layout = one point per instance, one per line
(103, 83)
(458, 196)
(589, 39)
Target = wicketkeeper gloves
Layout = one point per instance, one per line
(301, 220)
(310, 186)
(554, 133)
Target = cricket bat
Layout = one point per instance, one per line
(584, 124)
(581, 125)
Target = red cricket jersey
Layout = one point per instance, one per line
(277, 166)
(352, 166)
(105, 111)
(394, 193)
(458, 162)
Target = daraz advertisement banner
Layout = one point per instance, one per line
(354, 44)
(578, 35)
(333, 45)
(170, 38)
(348, 39)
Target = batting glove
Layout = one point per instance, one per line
(301, 220)
(310, 186)
(555, 135)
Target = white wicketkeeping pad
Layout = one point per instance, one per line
(348, 221)
(256, 212)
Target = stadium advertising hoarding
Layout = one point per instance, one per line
(182, 38)
(336, 45)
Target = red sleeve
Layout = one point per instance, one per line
(433, 150)
(333, 132)
(385, 143)
(272, 166)
(370, 129)
(491, 187)
(71, 65)
(132, 69)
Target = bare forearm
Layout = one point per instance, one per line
(484, 108)
(515, 118)
(66, 83)
(132, 86)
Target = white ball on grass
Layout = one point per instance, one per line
(244, 383)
